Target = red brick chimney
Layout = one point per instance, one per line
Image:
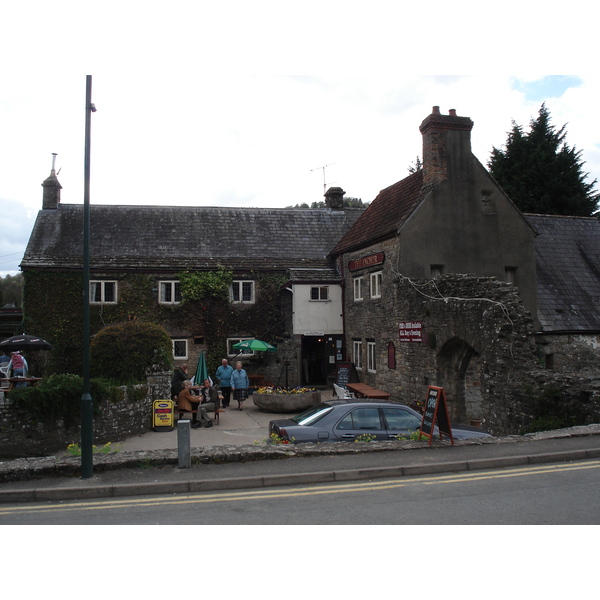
(446, 145)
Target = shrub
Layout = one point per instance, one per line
(57, 397)
(126, 351)
(552, 408)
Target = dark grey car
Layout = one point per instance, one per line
(339, 421)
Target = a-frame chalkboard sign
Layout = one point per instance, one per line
(345, 373)
(436, 412)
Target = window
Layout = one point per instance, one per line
(231, 351)
(319, 293)
(358, 288)
(103, 292)
(398, 418)
(242, 292)
(371, 364)
(437, 270)
(169, 292)
(510, 275)
(180, 349)
(357, 353)
(361, 418)
(376, 279)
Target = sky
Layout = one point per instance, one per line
(265, 104)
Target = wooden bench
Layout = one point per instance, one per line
(183, 411)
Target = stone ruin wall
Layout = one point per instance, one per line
(486, 316)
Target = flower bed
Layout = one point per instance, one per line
(282, 401)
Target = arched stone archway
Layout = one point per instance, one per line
(458, 374)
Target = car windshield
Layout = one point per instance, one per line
(312, 415)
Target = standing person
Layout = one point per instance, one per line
(186, 401)
(223, 376)
(180, 374)
(19, 367)
(240, 384)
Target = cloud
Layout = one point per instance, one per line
(238, 103)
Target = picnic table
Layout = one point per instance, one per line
(362, 390)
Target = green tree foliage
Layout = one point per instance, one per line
(11, 287)
(540, 173)
(349, 202)
(125, 351)
(415, 166)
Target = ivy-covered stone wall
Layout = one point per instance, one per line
(53, 310)
(127, 414)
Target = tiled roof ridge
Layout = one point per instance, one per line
(386, 213)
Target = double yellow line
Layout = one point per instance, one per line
(314, 490)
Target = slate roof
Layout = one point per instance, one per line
(169, 238)
(568, 272)
(386, 214)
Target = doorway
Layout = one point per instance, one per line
(458, 374)
(317, 363)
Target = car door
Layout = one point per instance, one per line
(363, 421)
(399, 421)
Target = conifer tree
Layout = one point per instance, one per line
(540, 173)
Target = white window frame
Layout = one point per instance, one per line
(233, 352)
(357, 354)
(376, 283)
(322, 293)
(174, 286)
(180, 356)
(102, 283)
(358, 289)
(371, 357)
(240, 284)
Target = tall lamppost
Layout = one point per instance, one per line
(87, 415)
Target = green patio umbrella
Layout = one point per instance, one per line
(201, 370)
(255, 346)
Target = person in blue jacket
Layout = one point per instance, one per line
(239, 385)
(223, 376)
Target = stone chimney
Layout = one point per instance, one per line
(446, 145)
(51, 196)
(334, 198)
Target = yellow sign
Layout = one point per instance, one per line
(162, 415)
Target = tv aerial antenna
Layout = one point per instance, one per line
(324, 181)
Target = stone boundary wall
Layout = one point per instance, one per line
(115, 422)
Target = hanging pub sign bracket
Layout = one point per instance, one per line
(436, 412)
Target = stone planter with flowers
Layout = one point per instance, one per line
(280, 400)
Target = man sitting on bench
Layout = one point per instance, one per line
(186, 401)
(210, 398)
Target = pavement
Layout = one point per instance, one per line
(233, 455)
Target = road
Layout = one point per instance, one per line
(565, 493)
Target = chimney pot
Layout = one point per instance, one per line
(452, 112)
(435, 110)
